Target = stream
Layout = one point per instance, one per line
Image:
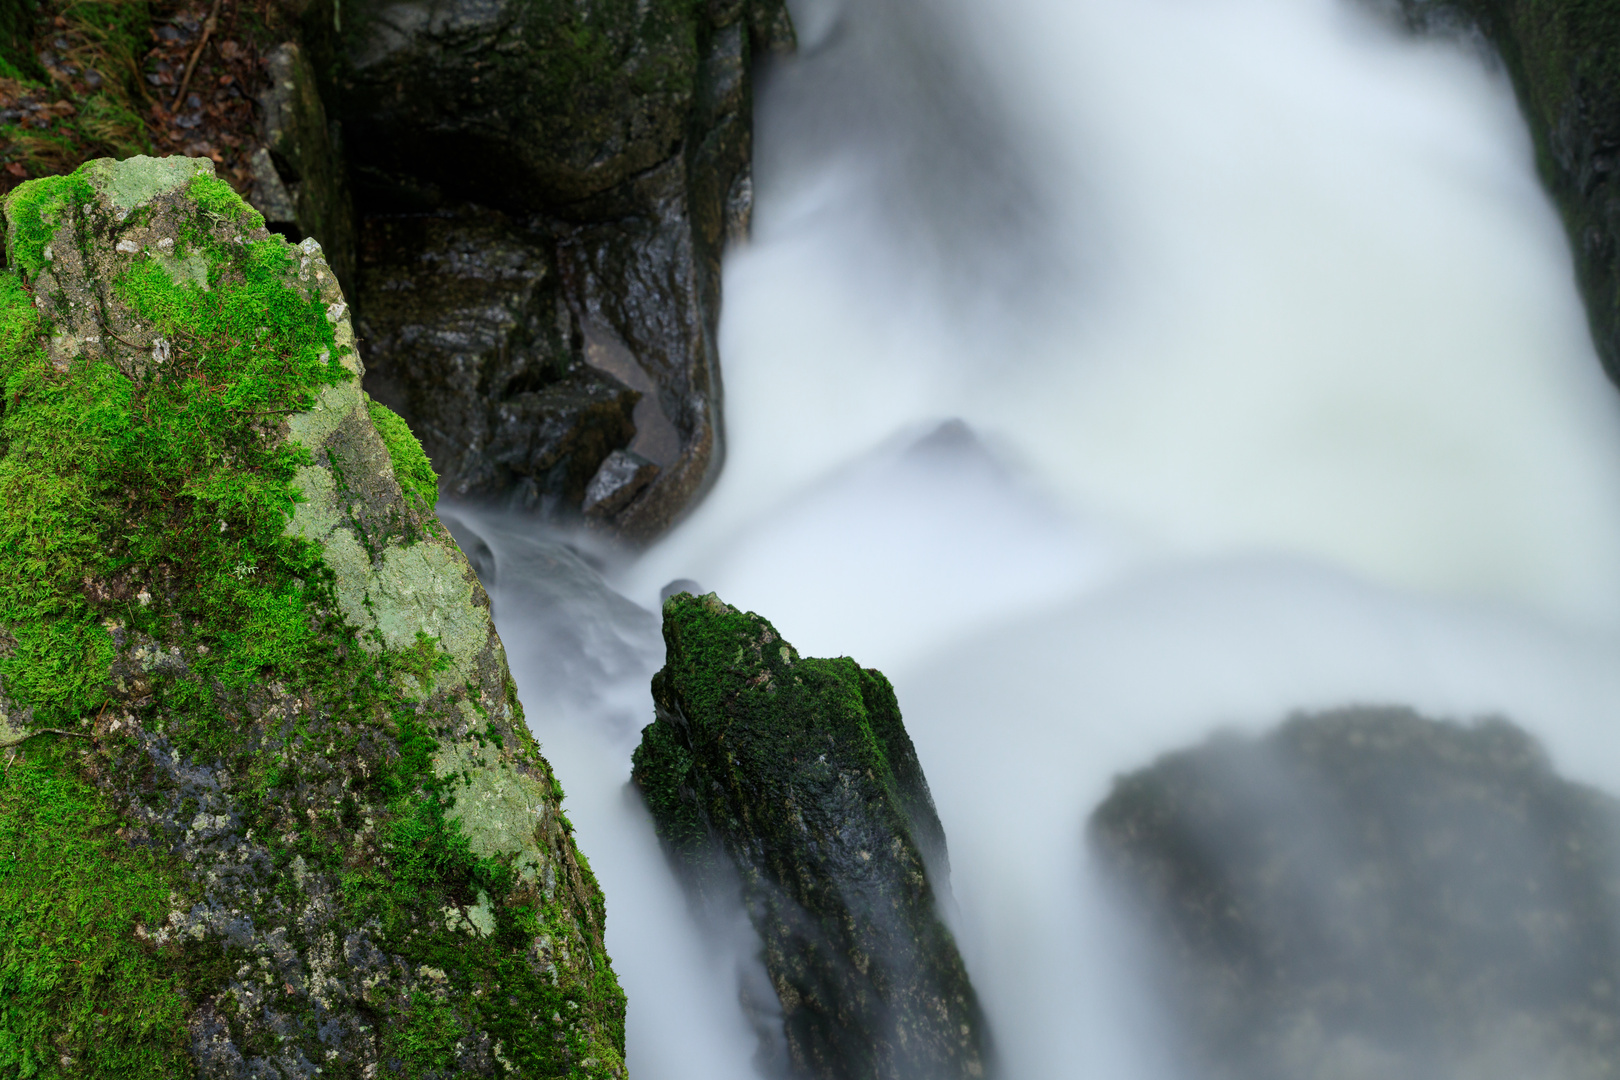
(1106, 372)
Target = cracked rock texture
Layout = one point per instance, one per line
(301, 182)
(546, 188)
(1370, 894)
(791, 782)
(293, 742)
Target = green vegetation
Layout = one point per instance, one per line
(777, 705)
(411, 467)
(147, 573)
(35, 210)
(87, 102)
(80, 994)
(181, 454)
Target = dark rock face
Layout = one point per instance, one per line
(470, 336)
(1564, 56)
(614, 140)
(572, 100)
(1367, 893)
(301, 182)
(796, 776)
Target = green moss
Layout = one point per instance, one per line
(216, 198)
(432, 860)
(168, 483)
(731, 668)
(35, 210)
(724, 662)
(411, 467)
(80, 994)
(668, 789)
(183, 455)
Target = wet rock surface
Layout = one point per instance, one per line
(1564, 57)
(792, 780)
(611, 143)
(1367, 893)
(270, 807)
(469, 335)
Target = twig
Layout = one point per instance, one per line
(42, 731)
(196, 54)
(123, 341)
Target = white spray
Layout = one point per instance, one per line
(1284, 399)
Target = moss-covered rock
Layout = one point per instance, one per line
(270, 807)
(1564, 56)
(1367, 893)
(796, 776)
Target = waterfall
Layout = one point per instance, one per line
(1275, 393)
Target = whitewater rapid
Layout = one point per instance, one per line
(1277, 394)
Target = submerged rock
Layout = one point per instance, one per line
(270, 807)
(1564, 57)
(795, 777)
(605, 148)
(1367, 893)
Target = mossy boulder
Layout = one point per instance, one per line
(795, 777)
(269, 805)
(1367, 893)
(1564, 57)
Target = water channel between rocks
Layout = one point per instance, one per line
(1276, 394)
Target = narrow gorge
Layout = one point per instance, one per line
(1201, 423)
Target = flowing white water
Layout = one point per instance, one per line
(1273, 339)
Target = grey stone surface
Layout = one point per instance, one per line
(1370, 894)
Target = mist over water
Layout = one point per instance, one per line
(1278, 395)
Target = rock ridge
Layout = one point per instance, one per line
(790, 783)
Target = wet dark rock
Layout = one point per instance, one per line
(536, 102)
(614, 141)
(794, 778)
(1564, 56)
(469, 336)
(679, 585)
(622, 476)
(1367, 893)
